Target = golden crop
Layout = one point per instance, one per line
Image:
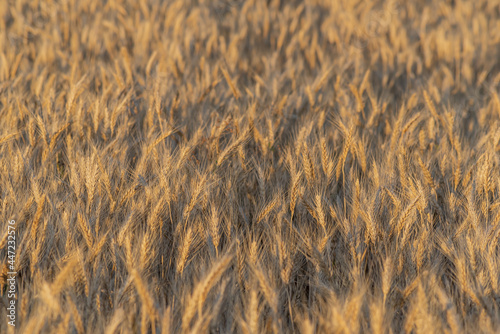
(251, 166)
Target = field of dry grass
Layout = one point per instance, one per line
(251, 166)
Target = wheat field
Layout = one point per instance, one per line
(251, 166)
